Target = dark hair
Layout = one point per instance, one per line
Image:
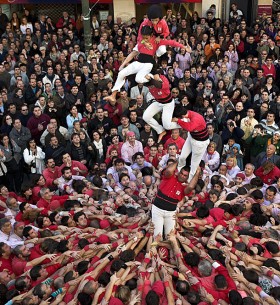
(220, 281)
(116, 265)
(182, 287)
(251, 276)
(82, 267)
(202, 212)
(104, 279)
(35, 272)
(192, 259)
(272, 247)
(271, 262)
(127, 255)
(152, 298)
(84, 298)
(235, 298)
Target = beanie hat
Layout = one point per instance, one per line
(240, 175)
(154, 12)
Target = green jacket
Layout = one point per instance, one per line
(257, 144)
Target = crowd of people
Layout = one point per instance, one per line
(144, 171)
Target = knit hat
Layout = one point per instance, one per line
(103, 239)
(240, 175)
(104, 224)
(18, 224)
(154, 12)
(83, 120)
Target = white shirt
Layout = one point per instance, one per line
(11, 240)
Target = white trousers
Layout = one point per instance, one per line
(160, 51)
(162, 219)
(167, 113)
(197, 148)
(141, 70)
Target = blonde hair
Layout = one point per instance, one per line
(234, 160)
(123, 293)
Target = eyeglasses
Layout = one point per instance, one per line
(8, 118)
(174, 92)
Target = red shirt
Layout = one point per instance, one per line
(19, 266)
(171, 187)
(269, 70)
(6, 264)
(50, 176)
(270, 177)
(144, 50)
(78, 164)
(42, 203)
(115, 117)
(36, 252)
(160, 94)
(155, 160)
(179, 143)
(196, 122)
(161, 28)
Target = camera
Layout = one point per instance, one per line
(33, 167)
(231, 124)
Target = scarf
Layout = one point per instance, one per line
(99, 147)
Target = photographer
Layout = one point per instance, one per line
(34, 157)
(232, 131)
(257, 142)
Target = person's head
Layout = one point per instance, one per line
(205, 268)
(172, 149)
(66, 173)
(183, 175)
(5, 226)
(130, 135)
(231, 162)
(22, 252)
(139, 158)
(5, 250)
(42, 290)
(123, 293)
(124, 179)
(270, 150)
(146, 33)
(152, 298)
(270, 193)
(45, 193)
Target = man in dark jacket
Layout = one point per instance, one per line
(80, 152)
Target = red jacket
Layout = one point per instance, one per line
(161, 29)
(196, 122)
(144, 50)
(269, 177)
(269, 71)
(116, 118)
(61, 21)
(42, 203)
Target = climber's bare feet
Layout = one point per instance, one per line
(161, 135)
